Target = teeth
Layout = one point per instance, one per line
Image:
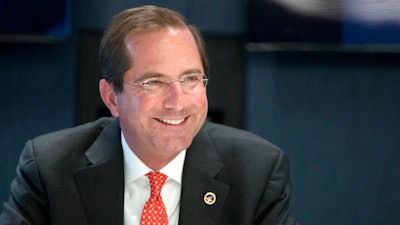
(173, 122)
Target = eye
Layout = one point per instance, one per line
(191, 78)
(153, 82)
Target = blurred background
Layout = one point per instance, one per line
(320, 79)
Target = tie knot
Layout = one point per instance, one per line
(156, 180)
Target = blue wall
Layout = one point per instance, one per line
(336, 115)
(37, 96)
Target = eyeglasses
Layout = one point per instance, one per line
(157, 86)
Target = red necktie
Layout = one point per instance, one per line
(154, 212)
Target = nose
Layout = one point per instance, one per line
(174, 98)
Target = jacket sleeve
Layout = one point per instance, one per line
(275, 210)
(27, 203)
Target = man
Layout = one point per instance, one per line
(154, 70)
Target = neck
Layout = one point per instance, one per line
(156, 162)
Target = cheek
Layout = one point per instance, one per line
(139, 106)
(127, 105)
(201, 105)
(202, 101)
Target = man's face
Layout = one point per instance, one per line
(161, 126)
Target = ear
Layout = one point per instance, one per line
(108, 96)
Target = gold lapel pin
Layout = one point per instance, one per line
(210, 198)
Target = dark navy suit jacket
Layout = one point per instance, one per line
(76, 176)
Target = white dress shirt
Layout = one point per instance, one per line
(137, 186)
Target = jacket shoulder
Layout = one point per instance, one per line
(70, 141)
(86, 131)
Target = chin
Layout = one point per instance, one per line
(176, 144)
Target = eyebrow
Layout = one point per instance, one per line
(159, 75)
(192, 71)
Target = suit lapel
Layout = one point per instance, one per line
(202, 164)
(101, 184)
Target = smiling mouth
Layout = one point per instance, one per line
(172, 122)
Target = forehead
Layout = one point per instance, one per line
(138, 39)
(169, 51)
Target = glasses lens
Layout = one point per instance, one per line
(154, 86)
(189, 83)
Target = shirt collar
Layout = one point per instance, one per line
(134, 168)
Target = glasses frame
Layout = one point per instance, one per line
(167, 83)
